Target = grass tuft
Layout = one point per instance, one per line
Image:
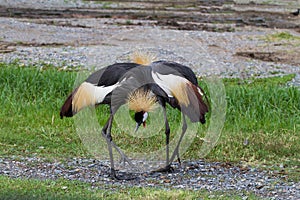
(262, 115)
(281, 36)
(12, 188)
(29, 117)
(261, 128)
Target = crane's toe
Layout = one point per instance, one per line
(121, 176)
(124, 159)
(166, 169)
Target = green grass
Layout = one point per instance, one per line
(264, 112)
(29, 120)
(281, 36)
(63, 189)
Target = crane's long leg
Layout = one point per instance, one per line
(176, 150)
(167, 132)
(106, 132)
(168, 167)
(124, 158)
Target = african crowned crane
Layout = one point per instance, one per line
(97, 89)
(176, 85)
(181, 85)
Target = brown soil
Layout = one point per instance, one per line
(170, 14)
(276, 56)
(213, 16)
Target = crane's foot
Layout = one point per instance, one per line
(176, 153)
(166, 169)
(126, 177)
(179, 162)
(125, 159)
(178, 159)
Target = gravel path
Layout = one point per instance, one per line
(213, 53)
(98, 42)
(194, 175)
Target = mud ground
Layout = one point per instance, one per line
(236, 35)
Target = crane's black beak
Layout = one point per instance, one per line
(137, 127)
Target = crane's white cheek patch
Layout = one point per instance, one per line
(145, 116)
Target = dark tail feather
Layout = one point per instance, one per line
(203, 105)
(197, 107)
(66, 110)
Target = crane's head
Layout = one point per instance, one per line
(140, 118)
(141, 102)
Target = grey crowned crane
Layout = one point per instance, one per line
(95, 90)
(176, 85)
(180, 84)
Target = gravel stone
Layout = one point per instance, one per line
(213, 176)
(214, 54)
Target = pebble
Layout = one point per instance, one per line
(213, 176)
(104, 47)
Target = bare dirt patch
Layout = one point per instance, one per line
(280, 56)
(282, 46)
(226, 31)
(6, 47)
(171, 14)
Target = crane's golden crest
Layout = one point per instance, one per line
(140, 100)
(83, 97)
(142, 58)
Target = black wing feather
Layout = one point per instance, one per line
(111, 74)
(166, 67)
